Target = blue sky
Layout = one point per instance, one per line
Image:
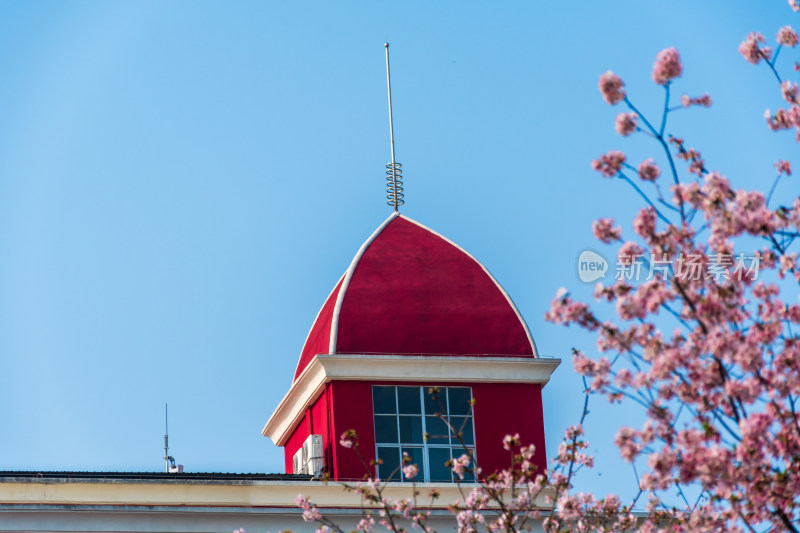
(182, 183)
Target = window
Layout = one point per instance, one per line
(407, 420)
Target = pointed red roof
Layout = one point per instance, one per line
(411, 291)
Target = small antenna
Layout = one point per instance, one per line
(169, 461)
(394, 172)
(167, 457)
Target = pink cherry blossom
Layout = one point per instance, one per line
(366, 524)
(510, 441)
(629, 252)
(609, 164)
(704, 100)
(346, 440)
(667, 66)
(460, 465)
(645, 223)
(751, 50)
(783, 167)
(605, 231)
(787, 36)
(626, 442)
(625, 123)
(782, 119)
(611, 87)
(310, 511)
(696, 163)
(789, 91)
(410, 471)
(648, 170)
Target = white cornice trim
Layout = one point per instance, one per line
(325, 368)
(275, 495)
(348, 276)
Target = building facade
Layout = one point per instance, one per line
(418, 350)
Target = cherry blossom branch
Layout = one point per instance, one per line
(774, 184)
(666, 111)
(663, 144)
(771, 64)
(644, 196)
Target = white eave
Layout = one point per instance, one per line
(325, 368)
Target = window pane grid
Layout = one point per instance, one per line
(413, 411)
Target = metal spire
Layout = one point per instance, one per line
(394, 172)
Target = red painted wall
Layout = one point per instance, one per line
(500, 409)
(352, 409)
(507, 408)
(316, 421)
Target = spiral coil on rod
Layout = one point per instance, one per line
(394, 171)
(394, 185)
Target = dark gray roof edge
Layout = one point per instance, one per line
(161, 476)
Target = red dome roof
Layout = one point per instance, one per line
(411, 291)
